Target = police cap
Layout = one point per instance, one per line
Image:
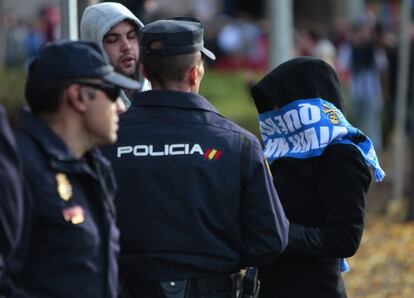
(175, 36)
(71, 60)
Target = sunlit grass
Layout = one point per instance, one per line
(229, 93)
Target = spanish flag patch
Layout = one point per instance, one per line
(212, 154)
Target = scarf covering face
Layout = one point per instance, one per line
(304, 128)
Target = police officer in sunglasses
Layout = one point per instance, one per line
(70, 244)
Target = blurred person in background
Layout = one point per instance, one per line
(241, 43)
(311, 40)
(115, 29)
(15, 34)
(319, 164)
(388, 41)
(51, 22)
(33, 41)
(366, 64)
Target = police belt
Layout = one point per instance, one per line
(214, 283)
(195, 285)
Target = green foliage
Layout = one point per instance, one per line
(12, 91)
(229, 93)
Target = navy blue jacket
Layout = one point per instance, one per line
(71, 245)
(11, 202)
(195, 196)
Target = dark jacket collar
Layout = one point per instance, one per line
(44, 135)
(58, 153)
(176, 99)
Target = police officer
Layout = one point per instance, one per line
(11, 204)
(71, 244)
(196, 201)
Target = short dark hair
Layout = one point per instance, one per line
(44, 96)
(168, 69)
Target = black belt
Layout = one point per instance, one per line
(195, 285)
(212, 283)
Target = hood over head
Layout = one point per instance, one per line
(298, 78)
(98, 19)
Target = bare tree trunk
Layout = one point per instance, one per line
(69, 19)
(410, 213)
(401, 108)
(280, 15)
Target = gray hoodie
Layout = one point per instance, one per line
(98, 19)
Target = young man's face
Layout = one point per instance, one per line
(122, 47)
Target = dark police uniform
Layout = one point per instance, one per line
(72, 241)
(196, 200)
(11, 203)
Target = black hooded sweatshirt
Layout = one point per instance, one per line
(323, 197)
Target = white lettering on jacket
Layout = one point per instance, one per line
(166, 150)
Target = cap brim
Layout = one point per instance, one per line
(122, 81)
(208, 53)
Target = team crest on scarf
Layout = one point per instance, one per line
(304, 128)
(333, 114)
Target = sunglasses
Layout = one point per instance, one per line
(110, 90)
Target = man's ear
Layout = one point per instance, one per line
(75, 98)
(193, 76)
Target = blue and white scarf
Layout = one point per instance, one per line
(304, 128)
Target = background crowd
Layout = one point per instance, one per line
(240, 39)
